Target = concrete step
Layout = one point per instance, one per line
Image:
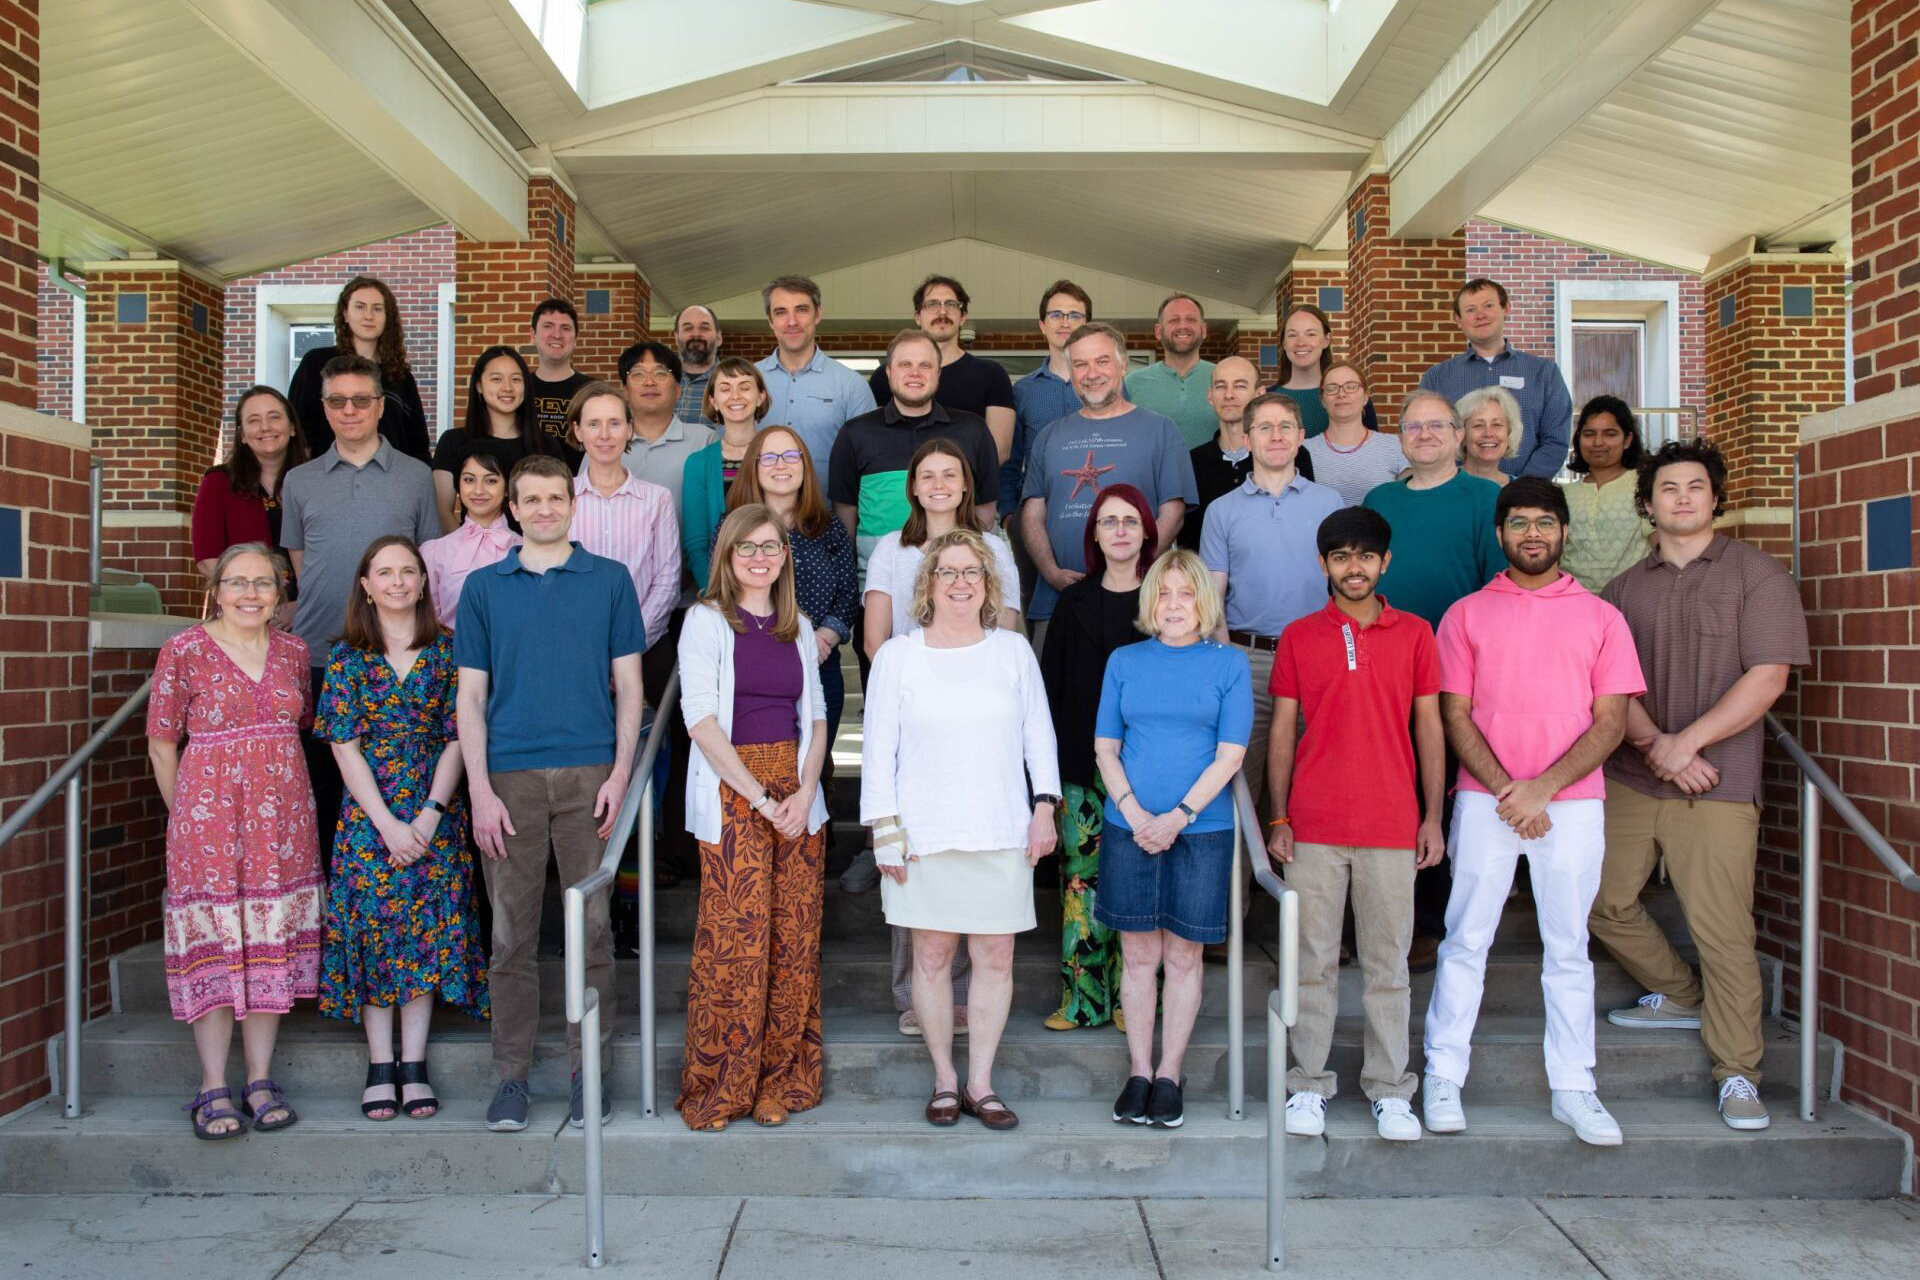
(867, 1057)
(1674, 1147)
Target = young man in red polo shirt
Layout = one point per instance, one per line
(1349, 813)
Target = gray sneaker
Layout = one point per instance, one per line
(577, 1105)
(507, 1113)
(1740, 1104)
(1656, 1011)
(861, 874)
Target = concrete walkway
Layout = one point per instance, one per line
(240, 1237)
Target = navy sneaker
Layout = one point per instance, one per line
(577, 1107)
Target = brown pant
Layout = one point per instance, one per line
(1382, 883)
(1709, 846)
(545, 806)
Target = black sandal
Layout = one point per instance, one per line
(279, 1103)
(379, 1073)
(419, 1108)
(203, 1115)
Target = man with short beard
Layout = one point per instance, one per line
(967, 382)
(1177, 386)
(1535, 676)
(696, 335)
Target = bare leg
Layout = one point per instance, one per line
(258, 1031)
(933, 1000)
(212, 1037)
(988, 1001)
(415, 1016)
(378, 1021)
(1139, 994)
(1181, 999)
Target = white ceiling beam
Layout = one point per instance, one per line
(1514, 93)
(1358, 33)
(360, 71)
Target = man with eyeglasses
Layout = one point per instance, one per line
(697, 336)
(1546, 406)
(360, 489)
(1221, 464)
(1041, 397)
(1176, 387)
(967, 382)
(1535, 676)
(662, 441)
(1445, 548)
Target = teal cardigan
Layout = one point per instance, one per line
(703, 500)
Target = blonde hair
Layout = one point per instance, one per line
(1479, 398)
(1206, 596)
(723, 589)
(992, 590)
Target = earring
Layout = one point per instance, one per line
(369, 599)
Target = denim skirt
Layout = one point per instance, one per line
(1182, 890)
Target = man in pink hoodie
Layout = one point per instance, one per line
(1535, 674)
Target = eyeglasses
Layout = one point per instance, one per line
(1058, 316)
(971, 574)
(1437, 426)
(768, 550)
(337, 403)
(1545, 524)
(650, 375)
(943, 304)
(790, 457)
(1107, 524)
(1340, 388)
(259, 586)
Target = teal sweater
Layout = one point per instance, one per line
(703, 500)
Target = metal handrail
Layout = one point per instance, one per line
(583, 1002)
(1815, 786)
(68, 776)
(1283, 1009)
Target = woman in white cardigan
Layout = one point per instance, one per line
(955, 727)
(750, 690)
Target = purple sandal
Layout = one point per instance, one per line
(279, 1103)
(203, 1123)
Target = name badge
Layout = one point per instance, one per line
(1346, 630)
(1512, 383)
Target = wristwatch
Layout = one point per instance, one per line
(436, 806)
(1191, 815)
(1046, 798)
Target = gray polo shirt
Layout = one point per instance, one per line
(1268, 546)
(330, 511)
(664, 461)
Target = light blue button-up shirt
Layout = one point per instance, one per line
(816, 401)
(1039, 398)
(1546, 406)
(1268, 545)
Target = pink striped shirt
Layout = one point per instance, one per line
(451, 557)
(635, 526)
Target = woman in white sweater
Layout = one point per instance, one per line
(956, 726)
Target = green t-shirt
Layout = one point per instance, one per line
(1444, 543)
(1166, 393)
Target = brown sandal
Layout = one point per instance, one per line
(769, 1114)
(1000, 1117)
(944, 1114)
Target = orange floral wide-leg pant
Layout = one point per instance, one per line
(753, 1001)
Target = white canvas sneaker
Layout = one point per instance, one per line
(1440, 1103)
(1584, 1114)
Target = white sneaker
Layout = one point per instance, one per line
(1740, 1104)
(861, 874)
(1306, 1115)
(1440, 1101)
(1396, 1120)
(1584, 1114)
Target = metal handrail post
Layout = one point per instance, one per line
(1236, 988)
(76, 952)
(1283, 1010)
(649, 1050)
(1809, 942)
(583, 1008)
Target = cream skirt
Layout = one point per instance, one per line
(963, 891)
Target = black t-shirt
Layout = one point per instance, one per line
(1089, 623)
(457, 445)
(970, 384)
(550, 402)
(1215, 477)
(868, 468)
(403, 421)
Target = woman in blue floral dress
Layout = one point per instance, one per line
(400, 918)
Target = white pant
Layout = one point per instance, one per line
(1565, 866)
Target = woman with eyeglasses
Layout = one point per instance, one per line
(1306, 335)
(736, 400)
(366, 322)
(939, 500)
(1093, 617)
(243, 898)
(750, 693)
(1348, 456)
(956, 730)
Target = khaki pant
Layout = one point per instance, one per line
(1382, 883)
(1709, 846)
(544, 805)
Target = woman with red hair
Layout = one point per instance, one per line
(1094, 617)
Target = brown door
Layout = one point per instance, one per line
(1607, 361)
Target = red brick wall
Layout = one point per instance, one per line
(1886, 196)
(1400, 294)
(19, 195)
(414, 266)
(53, 393)
(43, 708)
(628, 320)
(499, 284)
(1301, 285)
(126, 828)
(1857, 717)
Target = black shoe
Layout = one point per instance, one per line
(1164, 1107)
(1131, 1105)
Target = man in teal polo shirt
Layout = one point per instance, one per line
(1177, 386)
(548, 752)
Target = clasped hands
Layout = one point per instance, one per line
(1672, 760)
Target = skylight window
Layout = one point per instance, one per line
(961, 62)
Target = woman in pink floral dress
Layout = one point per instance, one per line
(244, 888)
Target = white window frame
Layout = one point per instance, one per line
(277, 308)
(1654, 302)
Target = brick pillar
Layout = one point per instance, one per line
(497, 284)
(1886, 234)
(154, 333)
(615, 312)
(1318, 279)
(19, 197)
(1400, 296)
(1776, 340)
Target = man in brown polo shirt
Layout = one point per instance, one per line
(1718, 627)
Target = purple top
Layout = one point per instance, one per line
(767, 680)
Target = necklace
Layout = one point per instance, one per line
(1337, 449)
(758, 625)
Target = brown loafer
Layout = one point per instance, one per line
(944, 1114)
(999, 1117)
